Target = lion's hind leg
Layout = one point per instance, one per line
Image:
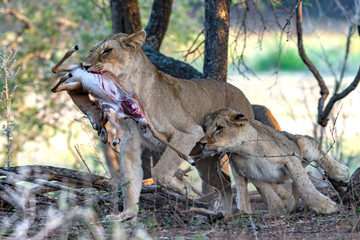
(313, 198)
(311, 151)
(276, 204)
(288, 199)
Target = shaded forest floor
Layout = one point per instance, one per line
(300, 225)
(67, 204)
(303, 224)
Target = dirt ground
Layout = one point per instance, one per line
(170, 222)
(68, 212)
(300, 225)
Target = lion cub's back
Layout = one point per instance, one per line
(287, 142)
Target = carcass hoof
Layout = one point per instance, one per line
(114, 143)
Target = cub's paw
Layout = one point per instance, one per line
(326, 207)
(340, 173)
(124, 216)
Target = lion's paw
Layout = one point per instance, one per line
(124, 216)
(340, 173)
(174, 184)
(289, 203)
(326, 207)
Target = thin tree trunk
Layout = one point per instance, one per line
(216, 38)
(158, 23)
(125, 16)
(170, 65)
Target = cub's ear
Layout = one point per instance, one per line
(134, 41)
(239, 119)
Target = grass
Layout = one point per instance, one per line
(316, 46)
(8, 72)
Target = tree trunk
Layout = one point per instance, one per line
(125, 16)
(158, 23)
(216, 38)
(170, 65)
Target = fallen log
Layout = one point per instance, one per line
(51, 179)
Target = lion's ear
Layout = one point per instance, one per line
(134, 41)
(239, 119)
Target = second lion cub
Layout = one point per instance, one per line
(263, 154)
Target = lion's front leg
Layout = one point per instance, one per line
(131, 173)
(165, 169)
(276, 205)
(242, 194)
(307, 191)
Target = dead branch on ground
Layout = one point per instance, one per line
(99, 190)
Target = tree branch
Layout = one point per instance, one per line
(323, 113)
(216, 38)
(80, 179)
(324, 92)
(20, 17)
(323, 116)
(170, 65)
(125, 16)
(158, 23)
(347, 48)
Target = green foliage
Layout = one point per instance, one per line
(8, 72)
(45, 30)
(186, 23)
(289, 61)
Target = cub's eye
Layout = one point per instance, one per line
(107, 51)
(218, 128)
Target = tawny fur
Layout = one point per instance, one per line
(265, 155)
(115, 101)
(176, 107)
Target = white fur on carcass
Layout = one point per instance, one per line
(111, 97)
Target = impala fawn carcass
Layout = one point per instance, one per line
(114, 101)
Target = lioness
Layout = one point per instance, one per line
(176, 107)
(263, 154)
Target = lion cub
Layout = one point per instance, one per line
(265, 155)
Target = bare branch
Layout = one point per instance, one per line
(323, 113)
(191, 51)
(324, 92)
(80, 179)
(323, 116)
(20, 17)
(343, 10)
(347, 48)
(26, 22)
(102, 8)
(158, 23)
(288, 20)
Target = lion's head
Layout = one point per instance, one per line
(224, 129)
(115, 53)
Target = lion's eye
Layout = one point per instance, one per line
(218, 128)
(107, 51)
